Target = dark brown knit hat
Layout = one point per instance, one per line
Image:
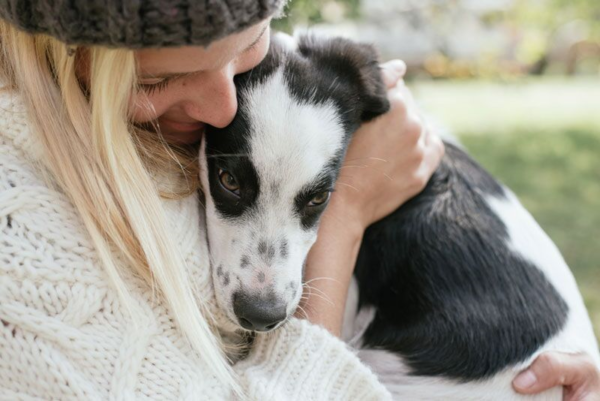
(137, 23)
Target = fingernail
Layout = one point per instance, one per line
(525, 379)
(398, 67)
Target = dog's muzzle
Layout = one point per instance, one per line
(258, 312)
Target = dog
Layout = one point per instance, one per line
(454, 293)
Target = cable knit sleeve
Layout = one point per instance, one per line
(65, 334)
(301, 361)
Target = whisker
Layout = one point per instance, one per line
(317, 289)
(377, 159)
(323, 297)
(303, 311)
(368, 166)
(348, 185)
(333, 84)
(367, 158)
(353, 166)
(329, 301)
(319, 278)
(382, 173)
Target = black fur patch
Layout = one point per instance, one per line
(283, 248)
(227, 150)
(262, 247)
(451, 298)
(270, 252)
(267, 251)
(310, 215)
(341, 71)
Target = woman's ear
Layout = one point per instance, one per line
(357, 62)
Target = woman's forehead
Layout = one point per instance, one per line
(189, 59)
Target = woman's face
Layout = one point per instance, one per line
(185, 88)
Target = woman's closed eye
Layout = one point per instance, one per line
(155, 87)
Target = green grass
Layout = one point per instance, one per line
(542, 139)
(482, 107)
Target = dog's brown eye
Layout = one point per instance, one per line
(229, 182)
(319, 199)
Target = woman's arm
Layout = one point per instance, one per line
(389, 161)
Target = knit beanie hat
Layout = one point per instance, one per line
(137, 23)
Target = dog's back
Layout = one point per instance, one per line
(460, 285)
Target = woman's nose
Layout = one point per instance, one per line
(214, 100)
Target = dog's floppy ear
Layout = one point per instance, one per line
(357, 62)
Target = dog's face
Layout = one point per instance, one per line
(268, 176)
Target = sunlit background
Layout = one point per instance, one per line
(518, 81)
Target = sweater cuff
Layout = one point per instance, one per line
(302, 361)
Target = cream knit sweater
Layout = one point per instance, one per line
(64, 333)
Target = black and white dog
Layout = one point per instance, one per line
(457, 290)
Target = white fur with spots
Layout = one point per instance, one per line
(291, 144)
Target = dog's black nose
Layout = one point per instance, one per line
(258, 313)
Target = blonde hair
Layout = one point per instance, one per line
(106, 173)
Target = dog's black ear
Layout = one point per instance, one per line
(357, 62)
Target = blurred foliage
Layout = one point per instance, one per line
(546, 23)
(540, 36)
(309, 12)
(548, 15)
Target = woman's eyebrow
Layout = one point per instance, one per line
(169, 75)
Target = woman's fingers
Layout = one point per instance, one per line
(392, 72)
(426, 148)
(576, 372)
(434, 150)
(397, 155)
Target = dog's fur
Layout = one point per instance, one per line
(456, 291)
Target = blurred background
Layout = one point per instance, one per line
(518, 81)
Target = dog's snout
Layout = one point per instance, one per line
(258, 313)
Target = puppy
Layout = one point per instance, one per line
(456, 291)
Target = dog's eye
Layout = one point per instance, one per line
(319, 199)
(229, 182)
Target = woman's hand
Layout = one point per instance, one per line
(576, 372)
(389, 161)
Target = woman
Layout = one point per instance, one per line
(105, 284)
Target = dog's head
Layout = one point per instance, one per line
(269, 174)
